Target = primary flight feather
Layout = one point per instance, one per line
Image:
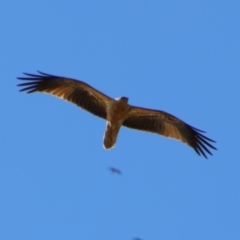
(117, 111)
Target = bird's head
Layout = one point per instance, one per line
(122, 99)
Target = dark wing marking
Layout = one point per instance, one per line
(169, 126)
(71, 90)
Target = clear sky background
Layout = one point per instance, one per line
(182, 57)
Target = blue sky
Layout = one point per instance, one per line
(181, 57)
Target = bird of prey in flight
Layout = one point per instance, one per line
(115, 170)
(117, 112)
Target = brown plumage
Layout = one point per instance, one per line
(117, 111)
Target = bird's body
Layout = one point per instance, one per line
(117, 112)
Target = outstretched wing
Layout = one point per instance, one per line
(71, 90)
(169, 126)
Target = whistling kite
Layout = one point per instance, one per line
(117, 111)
